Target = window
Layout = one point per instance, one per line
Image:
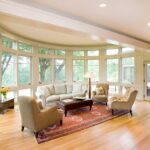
(60, 70)
(8, 43)
(60, 52)
(113, 89)
(93, 53)
(45, 51)
(112, 70)
(127, 50)
(128, 70)
(112, 52)
(24, 70)
(78, 53)
(93, 66)
(44, 70)
(25, 47)
(8, 69)
(78, 70)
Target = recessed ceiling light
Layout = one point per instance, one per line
(148, 23)
(112, 42)
(103, 5)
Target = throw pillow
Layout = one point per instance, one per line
(100, 91)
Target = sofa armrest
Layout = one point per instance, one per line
(84, 93)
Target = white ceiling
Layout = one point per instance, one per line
(128, 17)
(47, 33)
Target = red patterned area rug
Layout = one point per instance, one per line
(77, 120)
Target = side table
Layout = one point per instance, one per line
(6, 104)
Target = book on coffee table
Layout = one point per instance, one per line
(79, 98)
(67, 100)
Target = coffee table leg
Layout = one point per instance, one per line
(65, 113)
(90, 107)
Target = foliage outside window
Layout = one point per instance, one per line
(8, 62)
(45, 51)
(78, 53)
(24, 47)
(44, 70)
(93, 53)
(112, 70)
(60, 74)
(78, 70)
(128, 70)
(9, 43)
(24, 70)
(112, 51)
(93, 66)
(60, 52)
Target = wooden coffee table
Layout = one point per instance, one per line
(6, 104)
(70, 104)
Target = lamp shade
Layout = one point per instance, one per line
(88, 75)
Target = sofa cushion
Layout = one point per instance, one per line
(77, 88)
(65, 96)
(44, 90)
(69, 88)
(60, 89)
(51, 89)
(53, 98)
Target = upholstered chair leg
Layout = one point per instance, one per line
(61, 122)
(36, 134)
(131, 112)
(22, 128)
(106, 103)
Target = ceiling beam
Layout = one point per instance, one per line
(28, 12)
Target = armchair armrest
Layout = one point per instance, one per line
(49, 114)
(40, 104)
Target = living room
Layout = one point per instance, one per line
(45, 49)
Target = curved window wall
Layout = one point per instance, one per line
(24, 67)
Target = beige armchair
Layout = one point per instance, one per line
(101, 93)
(35, 117)
(123, 102)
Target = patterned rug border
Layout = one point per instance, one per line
(80, 127)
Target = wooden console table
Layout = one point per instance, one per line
(6, 104)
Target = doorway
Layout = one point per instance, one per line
(147, 81)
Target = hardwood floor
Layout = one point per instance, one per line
(123, 133)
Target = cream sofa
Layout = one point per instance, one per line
(58, 92)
